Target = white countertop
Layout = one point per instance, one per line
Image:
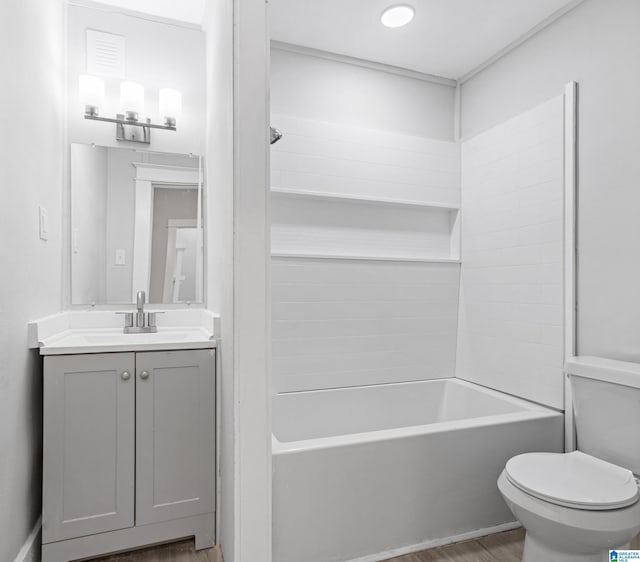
(113, 340)
(74, 332)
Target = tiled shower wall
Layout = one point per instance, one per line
(345, 323)
(340, 322)
(343, 159)
(511, 308)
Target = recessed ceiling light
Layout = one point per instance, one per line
(397, 16)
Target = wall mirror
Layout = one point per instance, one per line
(136, 225)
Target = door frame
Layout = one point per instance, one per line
(149, 177)
(239, 251)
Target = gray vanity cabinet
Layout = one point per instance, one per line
(174, 435)
(89, 444)
(129, 447)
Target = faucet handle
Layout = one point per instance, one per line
(128, 319)
(151, 317)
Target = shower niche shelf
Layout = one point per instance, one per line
(319, 196)
(316, 225)
(292, 255)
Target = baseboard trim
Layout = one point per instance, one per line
(28, 552)
(437, 542)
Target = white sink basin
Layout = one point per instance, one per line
(109, 340)
(122, 338)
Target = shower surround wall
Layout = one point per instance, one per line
(359, 143)
(393, 311)
(511, 298)
(388, 312)
(346, 323)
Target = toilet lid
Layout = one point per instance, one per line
(573, 480)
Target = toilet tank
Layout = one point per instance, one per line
(606, 405)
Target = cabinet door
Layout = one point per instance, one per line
(88, 464)
(175, 434)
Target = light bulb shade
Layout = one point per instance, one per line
(132, 99)
(397, 16)
(170, 103)
(91, 93)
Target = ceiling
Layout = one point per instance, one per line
(190, 11)
(446, 37)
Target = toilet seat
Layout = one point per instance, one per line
(575, 480)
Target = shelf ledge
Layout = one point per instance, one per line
(292, 255)
(359, 199)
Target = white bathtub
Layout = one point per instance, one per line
(370, 472)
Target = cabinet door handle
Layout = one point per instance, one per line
(144, 375)
(125, 376)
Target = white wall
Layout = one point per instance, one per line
(120, 224)
(238, 263)
(31, 38)
(88, 186)
(511, 297)
(218, 24)
(325, 90)
(252, 306)
(597, 45)
(157, 55)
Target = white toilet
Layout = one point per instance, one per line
(577, 506)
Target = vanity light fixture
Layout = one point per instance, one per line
(170, 103)
(131, 100)
(397, 15)
(91, 94)
(128, 126)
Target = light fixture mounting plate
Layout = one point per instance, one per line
(134, 132)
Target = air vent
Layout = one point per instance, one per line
(105, 54)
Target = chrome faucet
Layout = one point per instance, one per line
(145, 322)
(140, 298)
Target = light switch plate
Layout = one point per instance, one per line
(43, 223)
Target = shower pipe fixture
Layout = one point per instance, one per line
(128, 126)
(275, 135)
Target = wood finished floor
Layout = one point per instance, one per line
(501, 547)
(183, 551)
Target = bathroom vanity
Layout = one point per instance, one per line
(129, 415)
(129, 436)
